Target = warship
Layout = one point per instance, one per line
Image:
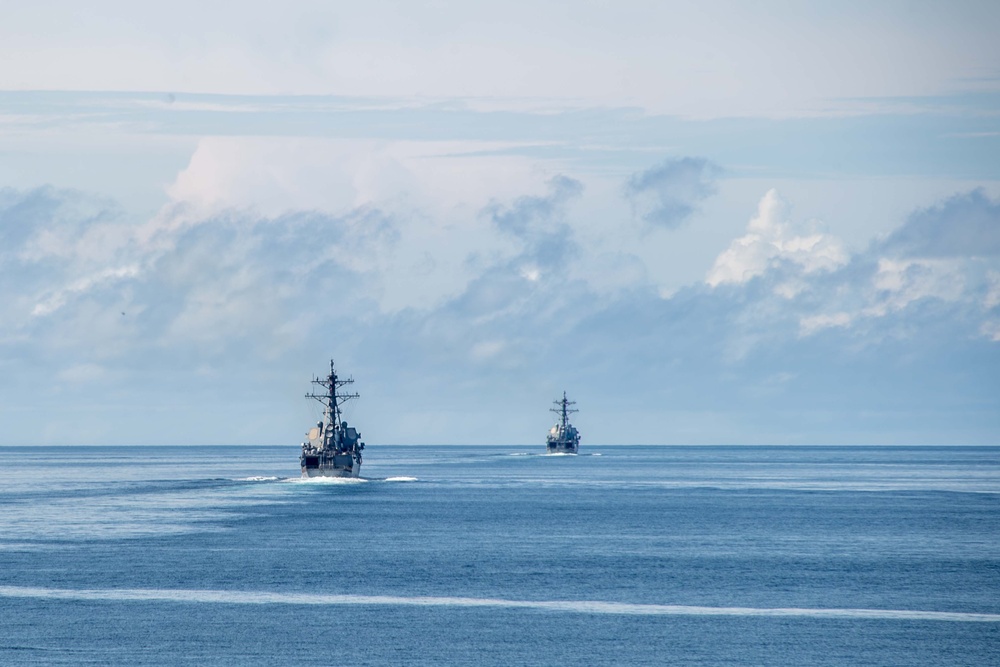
(563, 437)
(333, 448)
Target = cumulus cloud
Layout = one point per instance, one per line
(949, 252)
(438, 194)
(791, 331)
(898, 283)
(667, 194)
(859, 334)
(964, 226)
(937, 262)
(773, 238)
(274, 175)
(234, 278)
(227, 277)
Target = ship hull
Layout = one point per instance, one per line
(562, 448)
(354, 471)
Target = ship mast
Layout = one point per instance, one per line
(331, 383)
(562, 408)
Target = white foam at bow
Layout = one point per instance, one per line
(327, 480)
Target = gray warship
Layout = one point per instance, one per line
(563, 437)
(333, 448)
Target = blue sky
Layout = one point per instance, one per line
(707, 222)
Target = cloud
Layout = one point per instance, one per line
(991, 329)
(949, 252)
(58, 298)
(530, 216)
(992, 297)
(772, 238)
(898, 283)
(865, 346)
(965, 225)
(538, 224)
(804, 343)
(21, 214)
(238, 278)
(813, 323)
(58, 224)
(927, 268)
(56, 247)
(667, 194)
(438, 194)
(273, 175)
(210, 282)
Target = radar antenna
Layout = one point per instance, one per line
(563, 410)
(331, 399)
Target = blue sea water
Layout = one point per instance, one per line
(501, 556)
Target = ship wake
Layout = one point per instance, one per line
(565, 606)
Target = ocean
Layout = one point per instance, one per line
(741, 555)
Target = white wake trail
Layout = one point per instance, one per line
(571, 606)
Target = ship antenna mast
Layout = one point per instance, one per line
(563, 410)
(331, 399)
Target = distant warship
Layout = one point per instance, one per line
(563, 437)
(333, 448)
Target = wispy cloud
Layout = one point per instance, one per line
(667, 194)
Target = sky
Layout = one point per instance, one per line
(707, 222)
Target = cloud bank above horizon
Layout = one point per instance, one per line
(785, 323)
(743, 235)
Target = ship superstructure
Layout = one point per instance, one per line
(333, 448)
(563, 437)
